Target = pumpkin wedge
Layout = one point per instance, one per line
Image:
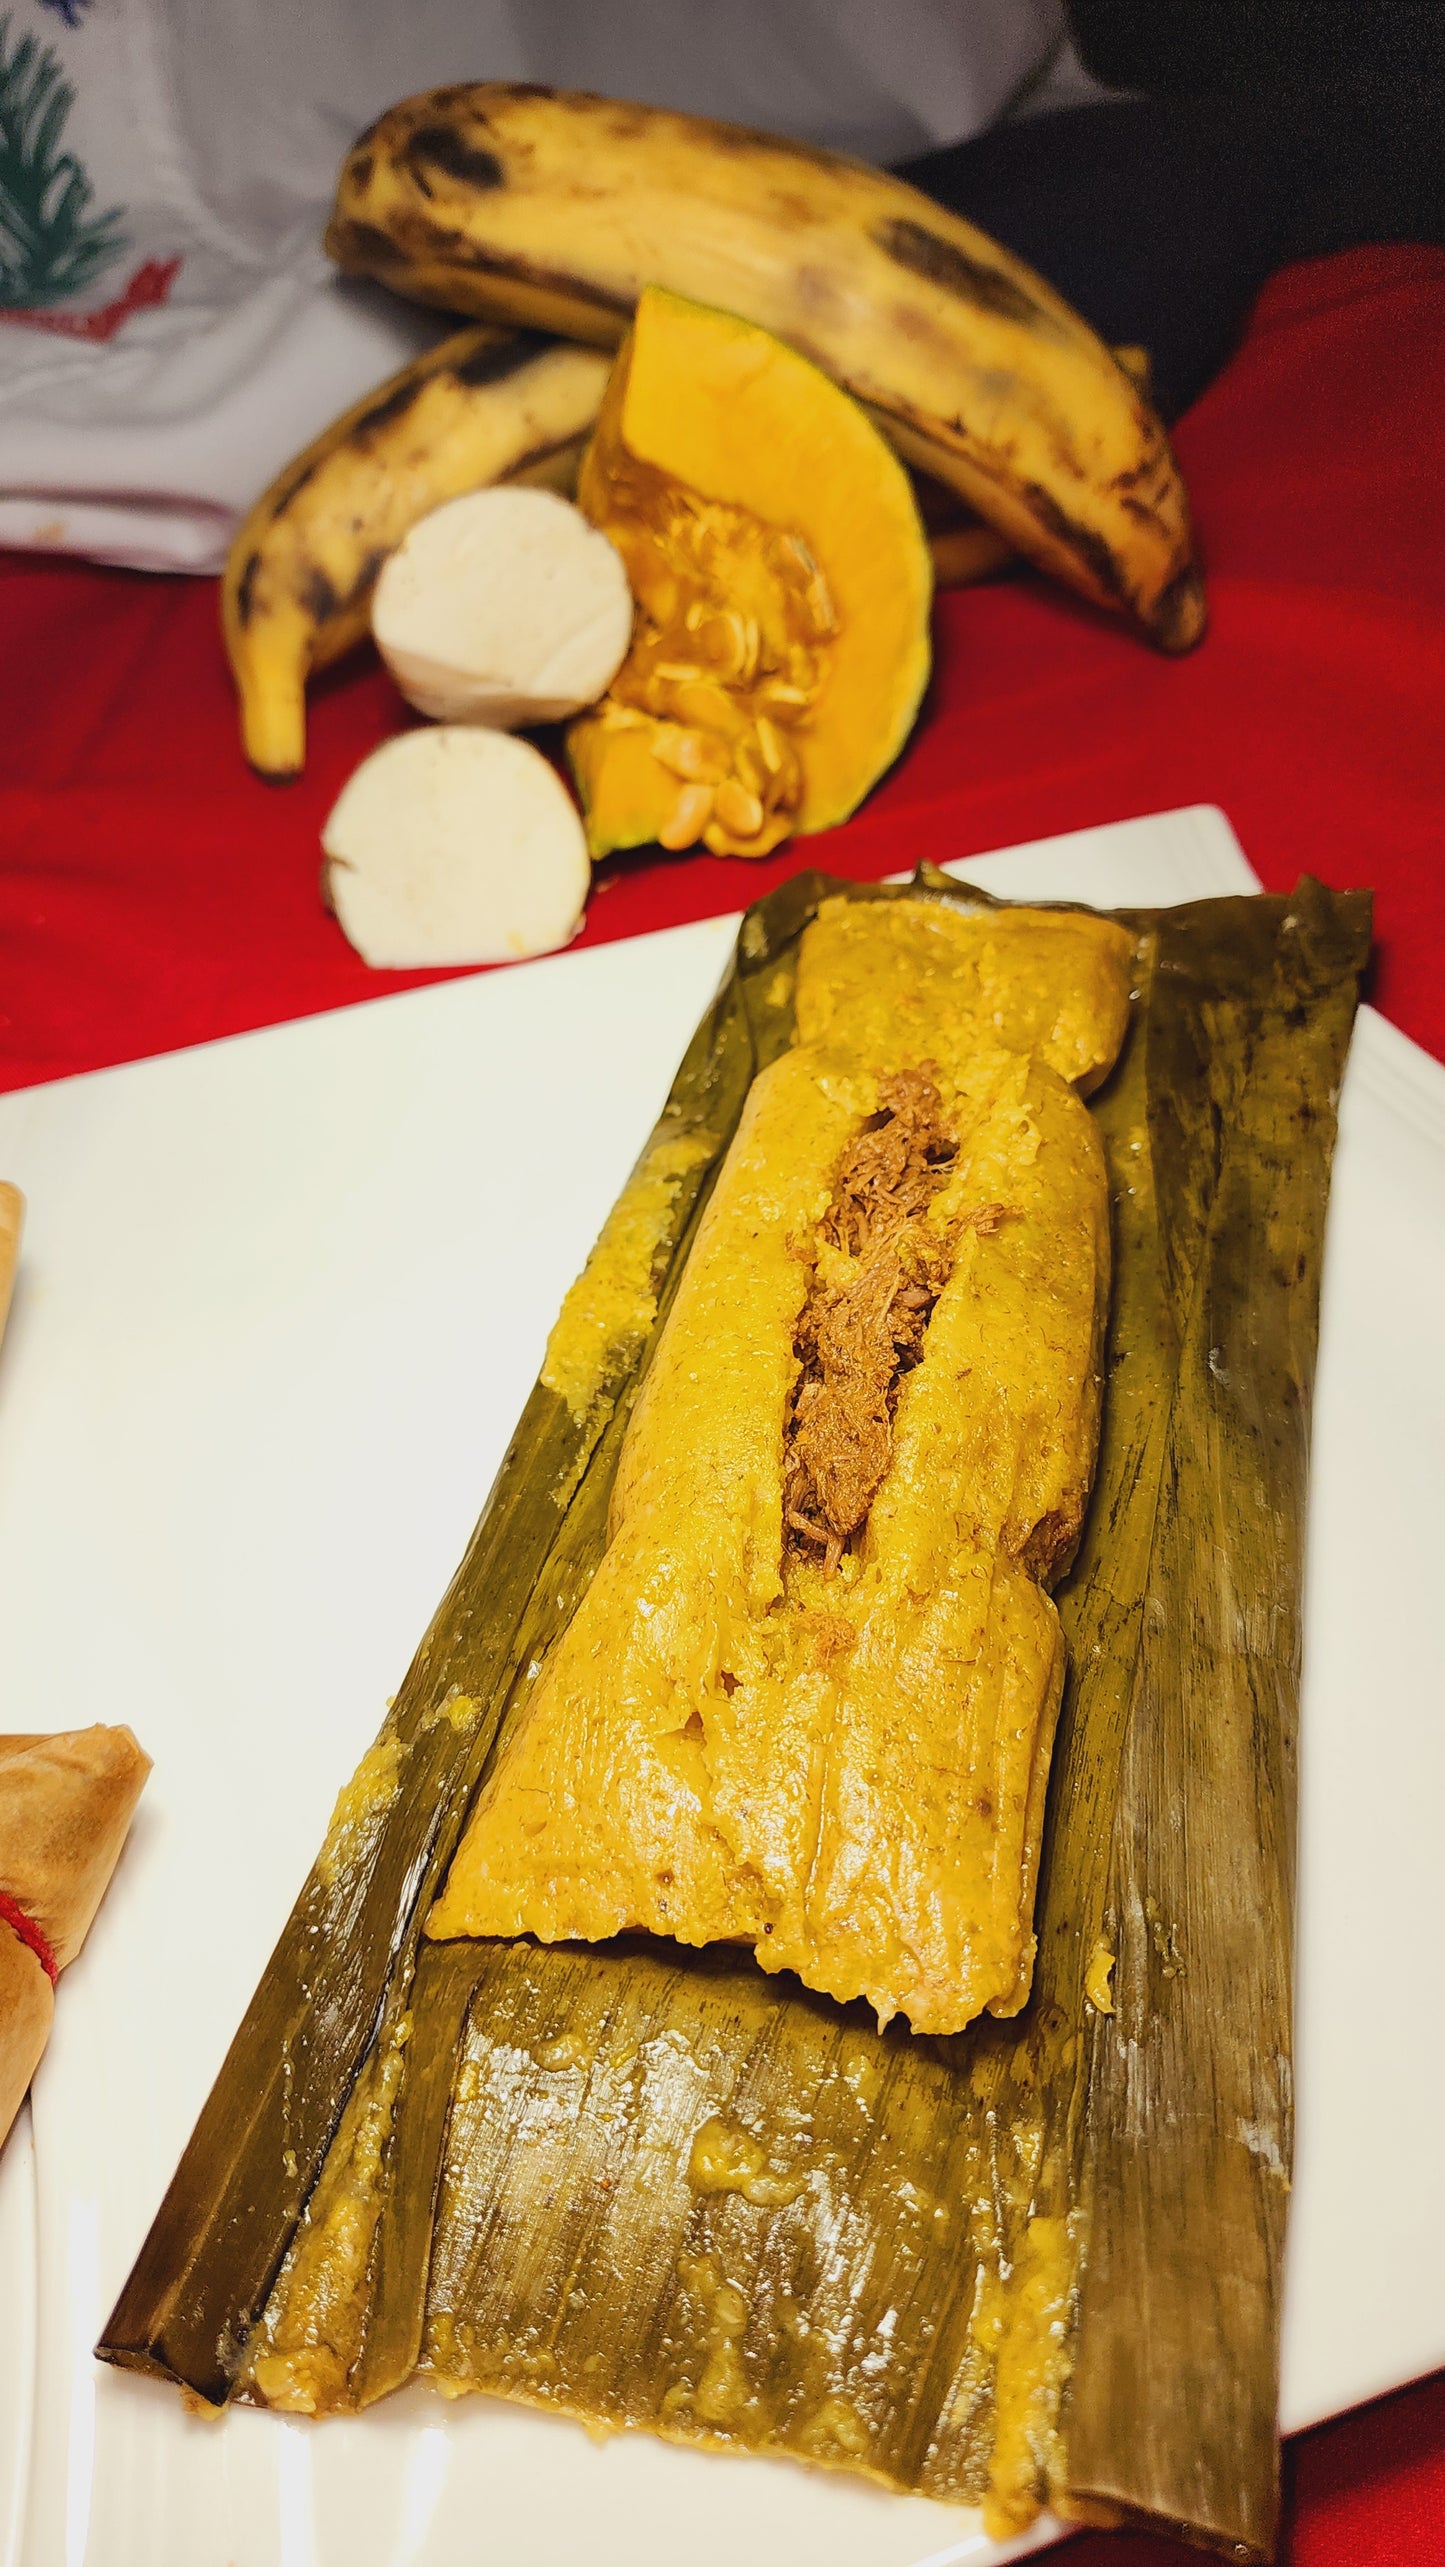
(783, 584)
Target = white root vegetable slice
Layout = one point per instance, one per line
(455, 846)
(503, 607)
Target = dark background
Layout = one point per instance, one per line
(1259, 131)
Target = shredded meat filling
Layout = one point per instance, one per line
(858, 1337)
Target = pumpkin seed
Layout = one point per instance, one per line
(690, 754)
(688, 817)
(703, 705)
(737, 809)
(785, 703)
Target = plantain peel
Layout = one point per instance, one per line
(808, 1700)
(554, 209)
(484, 405)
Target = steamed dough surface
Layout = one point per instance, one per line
(846, 1772)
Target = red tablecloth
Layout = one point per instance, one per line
(153, 893)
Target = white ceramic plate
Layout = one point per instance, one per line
(281, 1301)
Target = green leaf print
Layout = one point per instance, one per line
(51, 244)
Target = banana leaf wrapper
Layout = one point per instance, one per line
(1035, 2263)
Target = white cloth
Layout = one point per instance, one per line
(215, 128)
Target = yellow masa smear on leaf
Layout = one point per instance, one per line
(1099, 1979)
(461, 1711)
(722, 2398)
(727, 2159)
(359, 1803)
(1033, 2357)
(613, 1303)
(311, 2334)
(837, 2432)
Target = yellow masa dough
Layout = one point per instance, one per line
(846, 1771)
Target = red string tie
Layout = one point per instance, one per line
(14, 1915)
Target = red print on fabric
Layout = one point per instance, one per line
(150, 285)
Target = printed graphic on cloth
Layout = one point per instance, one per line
(171, 331)
(55, 244)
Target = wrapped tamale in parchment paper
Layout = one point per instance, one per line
(12, 1223)
(1034, 2260)
(66, 1802)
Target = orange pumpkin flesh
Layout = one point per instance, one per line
(783, 585)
